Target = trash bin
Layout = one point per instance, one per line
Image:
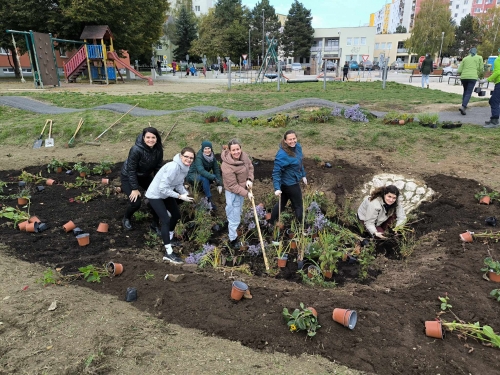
(307, 72)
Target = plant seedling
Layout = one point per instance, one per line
(301, 320)
(491, 265)
(444, 303)
(147, 275)
(495, 293)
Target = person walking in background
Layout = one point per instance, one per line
(166, 188)
(206, 170)
(495, 96)
(288, 171)
(222, 68)
(345, 71)
(469, 71)
(237, 174)
(144, 158)
(158, 64)
(174, 67)
(426, 69)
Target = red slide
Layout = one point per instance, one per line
(113, 56)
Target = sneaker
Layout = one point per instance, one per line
(155, 228)
(462, 110)
(493, 123)
(126, 224)
(172, 258)
(235, 244)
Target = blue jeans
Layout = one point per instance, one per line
(234, 204)
(425, 80)
(205, 184)
(468, 85)
(495, 102)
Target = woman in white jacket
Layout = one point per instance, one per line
(380, 209)
(164, 191)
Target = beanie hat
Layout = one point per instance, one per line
(206, 144)
(473, 51)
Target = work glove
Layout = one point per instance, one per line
(219, 189)
(380, 235)
(186, 198)
(304, 180)
(277, 193)
(249, 184)
(250, 195)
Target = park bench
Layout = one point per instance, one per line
(435, 74)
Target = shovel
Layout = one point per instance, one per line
(38, 142)
(49, 142)
(257, 224)
(71, 142)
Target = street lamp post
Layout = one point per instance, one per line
(263, 35)
(441, 48)
(249, 56)
(340, 56)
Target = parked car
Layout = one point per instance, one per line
(376, 66)
(296, 66)
(397, 65)
(450, 70)
(330, 65)
(166, 68)
(353, 65)
(366, 65)
(214, 67)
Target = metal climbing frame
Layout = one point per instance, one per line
(270, 53)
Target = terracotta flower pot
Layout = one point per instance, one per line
(485, 200)
(313, 310)
(290, 234)
(347, 318)
(114, 269)
(50, 181)
(433, 328)
(103, 228)
(31, 227)
(34, 219)
(280, 225)
(22, 225)
(239, 288)
(401, 122)
(327, 274)
(22, 201)
(83, 174)
(59, 170)
(69, 226)
(105, 181)
(293, 244)
(83, 239)
(282, 262)
(467, 236)
(267, 216)
(312, 271)
(494, 277)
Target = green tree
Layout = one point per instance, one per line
(401, 30)
(466, 37)
(432, 20)
(298, 34)
(271, 27)
(488, 27)
(209, 41)
(185, 33)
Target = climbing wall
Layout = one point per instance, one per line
(45, 56)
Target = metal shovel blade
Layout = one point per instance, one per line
(49, 142)
(38, 143)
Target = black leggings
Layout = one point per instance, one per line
(168, 222)
(292, 193)
(132, 207)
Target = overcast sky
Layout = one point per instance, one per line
(331, 13)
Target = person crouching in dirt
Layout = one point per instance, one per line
(380, 209)
(237, 175)
(144, 158)
(167, 187)
(205, 170)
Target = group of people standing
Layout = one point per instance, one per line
(164, 185)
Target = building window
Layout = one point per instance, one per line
(477, 10)
(487, 2)
(479, 1)
(196, 8)
(456, 15)
(4, 51)
(382, 45)
(377, 45)
(363, 41)
(356, 41)
(389, 45)
(349, 41)
(62, 52)
(159, 46)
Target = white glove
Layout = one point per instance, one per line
(277, 192)
(249, 184)
(186, 198)
(250, 195)
(219, 189)
(304, 180)
(380, 235)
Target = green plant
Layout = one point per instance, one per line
(24, 193)
(147, 275)
(84, 198)
(54, 164)
(365, 259)
(428, 118)
(48, 278)
(281, 249)
(214, 116)
(483, 333)
(491, 265)
(301, 320)
(93, 274)
(14, 214)
(152, 239)
(2, 185)
(495, 293)
(81, 167)
(483, 193)
(331, 253)
(31, 178)
(444, 303)
(141, 215)
(102, 168)
(391, 116)
(213, 258)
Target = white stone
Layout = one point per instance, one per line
(377, 183)
(399, 184)
(410, 186)
(420, 190)
(408, 195)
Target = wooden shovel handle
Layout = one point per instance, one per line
(257, 224)
(116, 122)
(50, 128)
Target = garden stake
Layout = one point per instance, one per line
(257, 224)
(170, 131)
(95, 141)
(38, 142)
(71, 142)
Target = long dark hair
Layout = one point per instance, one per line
(152, 130)
(289, 150)
(382, 191)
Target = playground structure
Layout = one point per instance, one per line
(269, 57)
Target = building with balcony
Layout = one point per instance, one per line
(392, 47)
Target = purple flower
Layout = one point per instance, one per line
(194, 258)
(253, 250)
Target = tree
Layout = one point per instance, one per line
(185, 33)
(401, 30)
(466, 37)
(209, 41)
(432, 20)
(271, 26)
(298, 34)
(488, 26)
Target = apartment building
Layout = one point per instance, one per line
(481, 6)
(392, 47)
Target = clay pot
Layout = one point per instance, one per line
(293, 244)
(244, 246)
(105, 181)
(290, 234)
(433, 328)
(69, 226)
(467, 236)
(114, 269)
(312, 271)
(59, 170)
(267, 216)
(327, 274)
(313, 310)
(239, 232)
(32, 227)
(239, 288)
(494, 277)
(344, 257)
(401, 122)
(485, 200)
(50, 181)
(282, 262)
(22, 201)
(103, 228)
(280, 225)
(34, 219)
(83, 239)
(347, 318)
(107, 171)
(83, 174)
(22, 225)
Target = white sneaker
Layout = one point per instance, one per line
(172, 258)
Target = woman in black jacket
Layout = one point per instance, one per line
(144, 158)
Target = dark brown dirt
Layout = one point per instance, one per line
(392, 308)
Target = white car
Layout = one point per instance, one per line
(296, 66)
(450, 70)
(166, 69)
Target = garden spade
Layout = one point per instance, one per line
(71, 142)
(38, 142)
(49, 142)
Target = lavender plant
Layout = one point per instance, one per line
(353, 113)
(194, 258)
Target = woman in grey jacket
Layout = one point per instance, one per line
(164, 191)
(380, 209)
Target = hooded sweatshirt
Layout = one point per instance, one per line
(471, 67)
(142, 161)
(169, 181)
(288, 170)
(374, 213)
(235, 173)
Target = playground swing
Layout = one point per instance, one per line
(17, 58)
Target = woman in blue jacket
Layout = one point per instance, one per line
(288, 171)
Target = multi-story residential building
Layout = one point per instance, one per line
(481, 6)
(460, 8)
(392, 46)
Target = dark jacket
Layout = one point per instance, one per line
(345, 69)
(142, 161)
(202, 167)
(288, 170)
(427, 67)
